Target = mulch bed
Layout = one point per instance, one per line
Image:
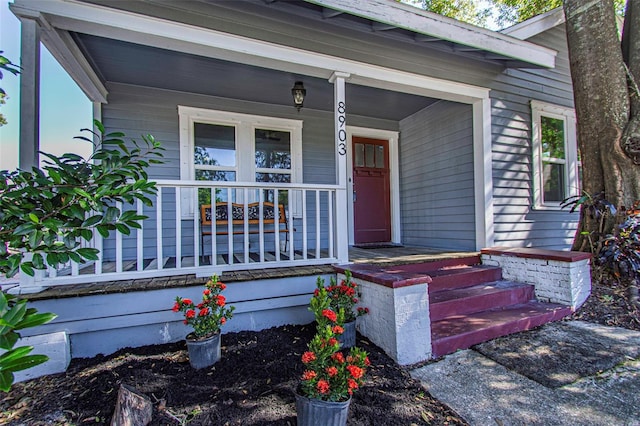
(251, 385)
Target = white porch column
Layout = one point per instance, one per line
(483, 172)
(340, 114)
(29, 93)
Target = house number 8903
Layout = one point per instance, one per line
(342, 133)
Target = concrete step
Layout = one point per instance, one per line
(478, 298)
(462, 276)
(463, 331)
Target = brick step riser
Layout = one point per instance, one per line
(464, 279)
(450, 344)
(482, 302)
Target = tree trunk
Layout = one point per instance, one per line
(608, 115)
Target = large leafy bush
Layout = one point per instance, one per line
(48, 212)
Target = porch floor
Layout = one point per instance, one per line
(399, 255)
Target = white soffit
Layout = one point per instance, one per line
(107, 22)
(431, 24)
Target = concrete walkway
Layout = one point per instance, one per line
(591, 376)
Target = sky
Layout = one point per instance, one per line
(64, 109)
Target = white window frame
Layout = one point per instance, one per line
(245, 164)
(572, 182)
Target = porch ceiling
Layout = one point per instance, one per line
(130, 63)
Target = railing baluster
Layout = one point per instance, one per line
(245, 196)
(230, 225)
(159, 242)
(304, 224)
(214, 249)
(261, 224)
(178, 226)
(289, 236)
(196, 229)
(119, 249)
(139, 239)
(330, 214)
(97, 238)
(317, 224)
(276, 221)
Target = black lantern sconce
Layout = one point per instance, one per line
(298, 93)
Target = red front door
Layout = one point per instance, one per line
(371, 205)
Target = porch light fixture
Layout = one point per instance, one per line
(298, 93)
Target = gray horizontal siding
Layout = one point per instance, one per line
(137, 110)
(517, 222)
(436, 177)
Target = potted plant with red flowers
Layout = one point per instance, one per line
(330, 377)
(345, 296)
(206, 318)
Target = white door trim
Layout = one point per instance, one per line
(394, 177)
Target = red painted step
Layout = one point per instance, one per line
(462, 276)
(481, 297)
(463, 331)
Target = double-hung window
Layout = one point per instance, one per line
(233, 147)
(556, 159)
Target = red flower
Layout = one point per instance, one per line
(332, 371)
(352, 385)
(200, 305)
(190, 313)
(332, 341)
(356, 372)
(329, 314)
(307, 357)
(337, 329)
(185, 322)
(366, 361)
(206, 292)
(338, 357)
(223, 320)
(354, 300)
(220, 300)
(176, 307)
(316, 292)
(187, 302)
(222, 286)
(204, 312)
(323, 386)
(309, 375)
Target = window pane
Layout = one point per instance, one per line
(553, 181)
(369, 153)
(273, 177)
(552, 130)
(215, 145)
(359, 155)
(215, 175)
(380, 157)
(273, 149)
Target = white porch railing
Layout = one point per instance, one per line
(171, 241)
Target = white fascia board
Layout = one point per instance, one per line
(536, 25)
(103, 21)
(431, 24)
(66, 52)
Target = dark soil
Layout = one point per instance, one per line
(252, 384)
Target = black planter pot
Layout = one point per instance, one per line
(315, 412)
(348, 338)
(204, 353)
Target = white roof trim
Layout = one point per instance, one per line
(431, 24)
(147, 30)
(66, 52)
(536, 25)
